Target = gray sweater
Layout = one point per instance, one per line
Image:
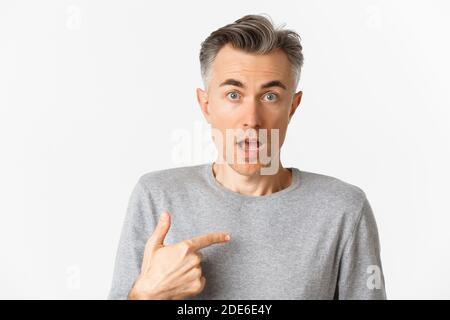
(316, 239)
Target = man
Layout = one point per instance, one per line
(294, 234)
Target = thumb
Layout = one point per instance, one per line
(160, 232)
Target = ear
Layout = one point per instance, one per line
(202, 98)
(295, 103)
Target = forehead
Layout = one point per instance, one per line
(249, 67)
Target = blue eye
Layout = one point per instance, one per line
(274, 96)
(234, 93)
(235, 96)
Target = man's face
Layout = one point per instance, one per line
(242, 95)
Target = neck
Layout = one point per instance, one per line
(253, 185)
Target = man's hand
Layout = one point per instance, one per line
(173, 271)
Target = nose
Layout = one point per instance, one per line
(252, 115)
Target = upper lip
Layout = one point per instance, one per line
(249, 140)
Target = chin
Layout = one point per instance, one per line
(247, 169)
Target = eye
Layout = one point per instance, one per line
(233, 95)
(272, 96)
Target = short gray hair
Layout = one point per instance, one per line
(253, 34)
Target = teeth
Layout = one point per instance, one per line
(253, 144)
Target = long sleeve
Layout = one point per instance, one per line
(361, 273)
(136, 229)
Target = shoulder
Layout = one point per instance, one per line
(334, 192)
(338, 202)
(173, 178)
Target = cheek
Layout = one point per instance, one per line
(223, 116)
(278, 132)
(282, 136)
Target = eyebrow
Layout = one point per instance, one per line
(237, 83)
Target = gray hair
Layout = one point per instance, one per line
(253, 34)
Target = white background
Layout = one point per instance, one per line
(93, 94)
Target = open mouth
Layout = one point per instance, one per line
(249, 144)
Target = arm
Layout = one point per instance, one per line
(136, 228)
(360, 273)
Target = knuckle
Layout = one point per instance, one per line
(186, 245)
(197, 273)
(197, 285)
(197, 259)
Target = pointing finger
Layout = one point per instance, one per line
(206, 240)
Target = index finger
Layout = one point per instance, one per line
(206, 240)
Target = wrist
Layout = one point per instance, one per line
(136, 293)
